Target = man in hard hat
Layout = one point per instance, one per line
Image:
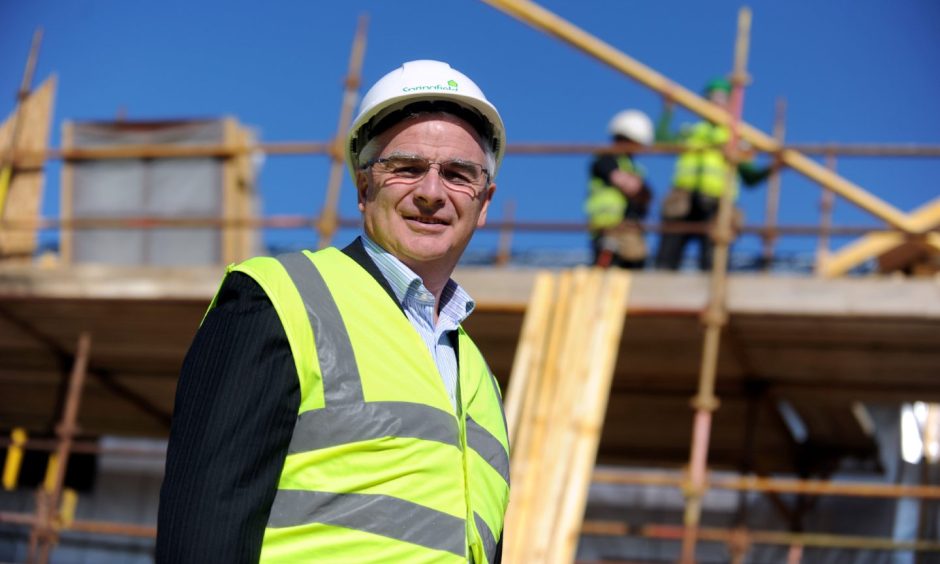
(331, 407)
(700, 178)
(618, 195)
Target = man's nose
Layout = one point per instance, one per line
(431, 188)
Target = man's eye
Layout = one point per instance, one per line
(406, 167)
(458, 174)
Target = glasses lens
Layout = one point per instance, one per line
(463, 175)
(404, 167)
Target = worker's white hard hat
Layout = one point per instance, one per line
(424, 81)
(634, 125)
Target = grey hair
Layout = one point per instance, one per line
(374, 145)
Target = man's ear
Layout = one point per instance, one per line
(362, 189)
(486, 197)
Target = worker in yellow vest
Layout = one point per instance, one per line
(618, 195)
(700, 178)
(332, 409)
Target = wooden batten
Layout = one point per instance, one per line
(23, 202)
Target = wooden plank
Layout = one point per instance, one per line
(589, 410)
(927, 216)
(873, 245)
(933, 239)
(24, 197)
(554, 470)
(528, 357)
(528, 455)
(858, 251)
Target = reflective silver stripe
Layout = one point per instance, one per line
(341, 383)
(489, 447)
(378, 514)
(498, 396)
(330, 426)
(489, 541)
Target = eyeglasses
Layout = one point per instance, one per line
(464, 176)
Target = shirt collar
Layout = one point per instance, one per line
(456, 303)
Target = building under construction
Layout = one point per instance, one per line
(654, 417)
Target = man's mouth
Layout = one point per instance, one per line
(426, 220)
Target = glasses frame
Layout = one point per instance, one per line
(476, 189)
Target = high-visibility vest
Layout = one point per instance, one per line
(702, 167)
(379, 467)
(606, 204)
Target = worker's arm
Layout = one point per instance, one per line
(606, 168)
(236, 403)
(751, 174)
(640, 202)
(664, 132)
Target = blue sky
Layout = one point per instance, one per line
(851, 72)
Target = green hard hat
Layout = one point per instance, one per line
(717, 84)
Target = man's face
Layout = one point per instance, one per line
(719, 97)
(425, 224)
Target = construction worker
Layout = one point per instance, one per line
(618, 195)
(321, 413)
(700, 178)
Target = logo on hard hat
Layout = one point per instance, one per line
(451, 86)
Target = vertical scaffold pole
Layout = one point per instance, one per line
(504, 252)
(826, 203)
(715, 317)
(329, 216)
(45, 533)
(773, 191)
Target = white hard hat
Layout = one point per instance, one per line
(632, 124)
(420, 81)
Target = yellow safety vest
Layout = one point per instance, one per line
(379, 468)
(703, 167)
(606, 204)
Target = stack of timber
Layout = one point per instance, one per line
(555, 407)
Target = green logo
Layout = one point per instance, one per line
(451, 86)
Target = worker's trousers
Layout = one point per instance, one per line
(702, 211)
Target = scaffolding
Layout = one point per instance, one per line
(918, 229)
